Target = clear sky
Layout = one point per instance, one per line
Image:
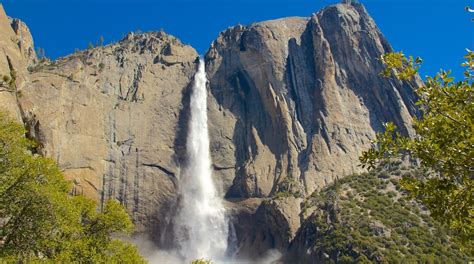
(439, 31)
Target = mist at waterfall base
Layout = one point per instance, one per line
(201, 226)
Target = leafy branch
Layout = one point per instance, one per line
(443, 143)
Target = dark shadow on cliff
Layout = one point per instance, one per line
(163, 229)
(240, 96)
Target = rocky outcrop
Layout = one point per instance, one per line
(272, 225)
(110, 117)
(16, 54)
(299, 99)
(24, 40)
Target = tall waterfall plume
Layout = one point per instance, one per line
(201, 225)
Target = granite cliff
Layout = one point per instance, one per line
(292, 103)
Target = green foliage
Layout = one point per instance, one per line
(289, 187)
(357, 221)
(201, 261)
(4, 81)
(402, 67)
(40, 221)
(101, 66)
(9, 81)
(443, 144)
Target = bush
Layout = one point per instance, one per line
(346, 234)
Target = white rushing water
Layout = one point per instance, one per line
(201, 225)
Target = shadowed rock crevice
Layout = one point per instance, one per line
(303, 97)
(163, 169)
(179, 143)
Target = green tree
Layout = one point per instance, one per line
(40, 221)
(443, 144)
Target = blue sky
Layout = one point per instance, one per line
(439, 31)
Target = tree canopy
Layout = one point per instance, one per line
(443, 144)
(41, 221)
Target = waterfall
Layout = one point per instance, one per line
(201, 226)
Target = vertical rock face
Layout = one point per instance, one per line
(297, 100)
(16, 54)
(111, 116)
(24, 40)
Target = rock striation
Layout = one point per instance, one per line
(300, 99)
(16, 54)
(110, 116)
(292, 104)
